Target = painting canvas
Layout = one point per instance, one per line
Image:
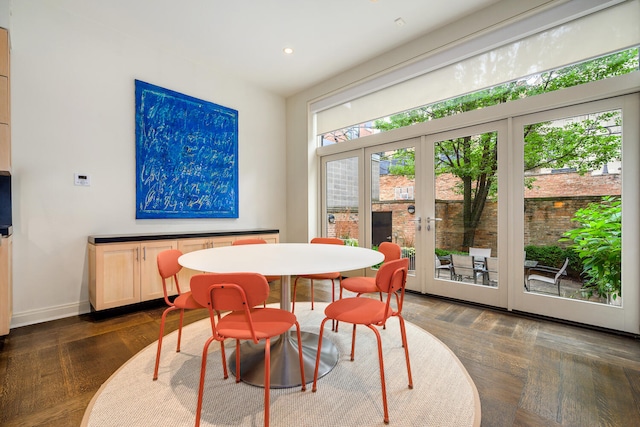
(186, 156)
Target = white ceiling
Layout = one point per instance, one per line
(246, 37)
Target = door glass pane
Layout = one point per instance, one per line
(573, 216)
(466, 206)
(342, 199)
(393, 200)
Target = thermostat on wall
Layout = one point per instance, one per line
(82, 179)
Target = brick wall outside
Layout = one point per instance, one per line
(548, 211)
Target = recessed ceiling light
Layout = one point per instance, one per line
(287, 50)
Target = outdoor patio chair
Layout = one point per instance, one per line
(554, 280)
(463, 266)
(491, 271)
(440, 266)
(479, 255)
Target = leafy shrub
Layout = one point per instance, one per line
(554, 256)
(598, 243)
(352, 242)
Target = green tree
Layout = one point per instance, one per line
(583, 145)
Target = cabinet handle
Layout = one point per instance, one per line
(144, 253)
(137, 254)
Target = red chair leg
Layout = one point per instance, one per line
(293, 296)
(311, 294)
(224, 360)
(237, 361)
(161, 335)
(353, 343)
(406, 350)
(267, 379)
(302, 379)
(180, 330)
(203, 370)
(315, 372)
(382, 380)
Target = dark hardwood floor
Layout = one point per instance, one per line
(528, 372)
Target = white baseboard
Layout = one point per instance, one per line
(49, 313)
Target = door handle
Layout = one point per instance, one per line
(430, 220)
(418, 220)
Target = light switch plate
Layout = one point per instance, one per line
(82, 179)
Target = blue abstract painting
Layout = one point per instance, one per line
(186, 156)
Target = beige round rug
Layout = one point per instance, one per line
(349, 395)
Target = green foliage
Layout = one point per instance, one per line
(598, 243)
(445, 252)
(408, 252)
(583, 145)
(554, 256)
(350, 242)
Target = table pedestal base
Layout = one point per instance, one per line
(285, 366)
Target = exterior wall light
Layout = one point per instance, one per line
(331, 219)
(411, 209)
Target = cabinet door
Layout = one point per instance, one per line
(186, 246)
(150, 280)
(117, 275)
(217, 242)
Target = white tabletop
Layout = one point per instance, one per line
(281, 259)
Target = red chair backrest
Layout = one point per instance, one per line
(390, 251)
(392, 275)
(168, 263)
(255, 241)
(327, 240)
(243, 290)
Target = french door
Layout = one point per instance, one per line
(504, 197)
(465, 213)
(598, 190)
(394, 179)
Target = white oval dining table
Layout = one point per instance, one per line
(285, 260)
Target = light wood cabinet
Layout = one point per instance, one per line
(126, 273)
(6, 297)
(190, 245)
(6, 242)
(123, 270)
(5, 101)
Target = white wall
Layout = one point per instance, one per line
(72, 100)
(302, 163)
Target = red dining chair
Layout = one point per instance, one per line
(256, 241)
(391, 280)
(168, 267)
(322, 276)
(366, 285)
(238, 293)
